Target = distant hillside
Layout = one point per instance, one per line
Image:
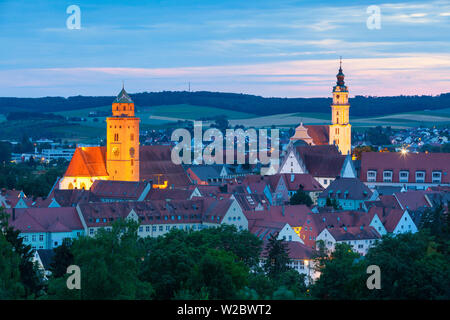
(360, 106)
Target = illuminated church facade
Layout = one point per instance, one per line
(122, 159)
(339, 132)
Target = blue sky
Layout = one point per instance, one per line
(270, 48)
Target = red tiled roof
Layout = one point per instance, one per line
(322, 160)
(88, 162)
(157, 211)
(293, 182)
(411, 162)
(388, 201)
(389, 217)
(45, 220)
(412, 199)
(249, 202)
(354, 233)
(127, 190)
(70, 198)
(173, 194)
(293, 215)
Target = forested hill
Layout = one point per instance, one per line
(360, 106)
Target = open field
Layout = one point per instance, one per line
(165, 115)
(168, 116)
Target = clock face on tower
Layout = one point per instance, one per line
(115, 151)
(132, 152)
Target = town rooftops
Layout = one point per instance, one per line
(156, 211)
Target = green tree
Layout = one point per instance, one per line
(10, 284)
(62, 258)
(219, 274)
(5, 151)
(412, 267)
(342, 275)
(332, 203)
(301, 197)
(109, 264)
(30, 275)
(277, 257)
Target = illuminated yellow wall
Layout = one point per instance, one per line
(78, 182)
(122, 137)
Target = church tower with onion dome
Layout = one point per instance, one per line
(340, 128)
(122, 140)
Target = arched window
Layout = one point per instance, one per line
(70, 186)
(83, 186)
(132, 137)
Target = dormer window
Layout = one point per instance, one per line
(437, 176)
(387, 176)
(420, 176)
(371, 175)
(403, 176)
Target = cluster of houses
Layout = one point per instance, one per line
(415, 138)
(354, 201)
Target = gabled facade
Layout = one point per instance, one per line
(349, 193)
(323, 162)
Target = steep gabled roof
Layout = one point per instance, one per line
(88, 162)
(322, 160)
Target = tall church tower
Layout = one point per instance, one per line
(122, 138)
(340, 129)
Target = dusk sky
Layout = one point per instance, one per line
(276, 48)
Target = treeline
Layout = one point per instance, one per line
(361, 106)
(21, 115)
